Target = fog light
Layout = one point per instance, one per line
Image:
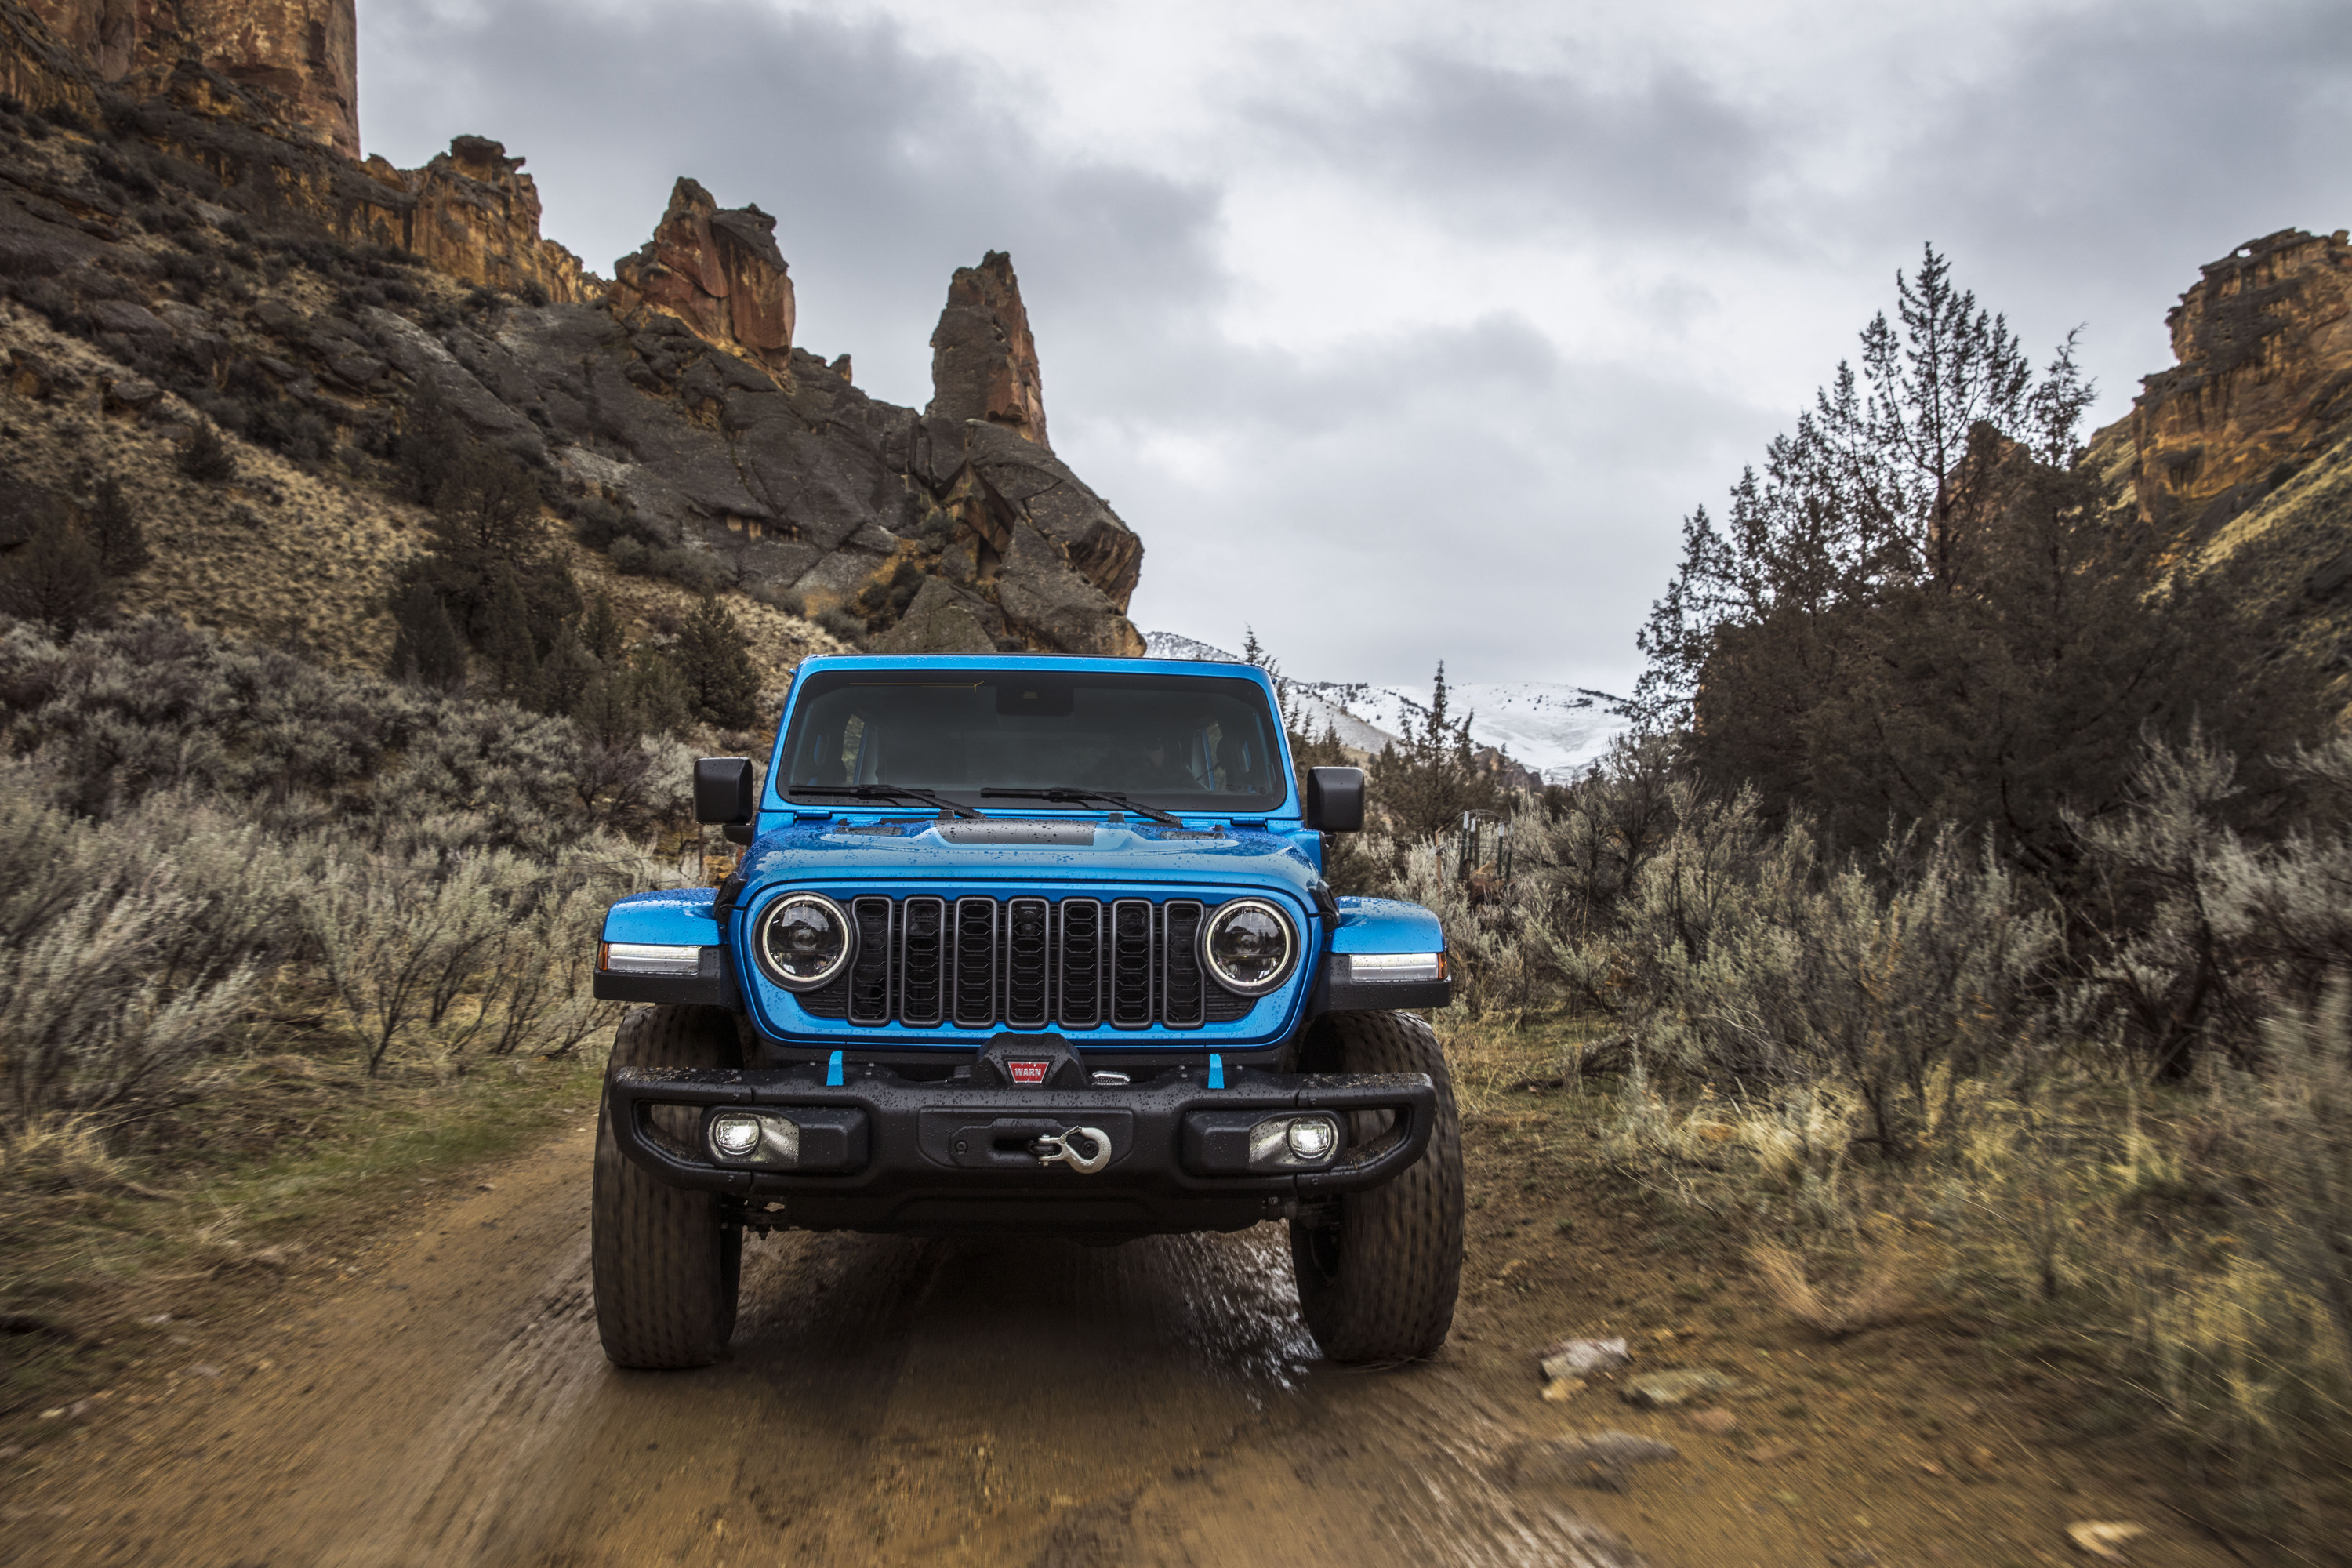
(734, 1137)
(1287, 1142)
(1311, 1138)
(753, 1138)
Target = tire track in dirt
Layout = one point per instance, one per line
(886, 1401)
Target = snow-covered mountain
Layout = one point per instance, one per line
(1554, 729)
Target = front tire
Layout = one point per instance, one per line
(1378, 1271)
(666, 1261)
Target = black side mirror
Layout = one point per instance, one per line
(1334, 799)
(722, 790)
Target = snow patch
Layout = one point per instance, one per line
(1555, 728)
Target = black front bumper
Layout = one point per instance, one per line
(950, 1158)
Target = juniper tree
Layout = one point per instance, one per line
(715, 660)
(206, 458)
(506, 642)
(1864, 494)
(54, 578)
(1924, 611)
(426, 649)
(1425, 782)
(600, 629)
(115, 533)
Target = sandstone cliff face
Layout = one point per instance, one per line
(304, 52)
(39, 70)
(2262, 386)
(474, 214)
(719, 271)
(2241, 455)
(983, 361)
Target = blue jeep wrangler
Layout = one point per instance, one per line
(1025, 945)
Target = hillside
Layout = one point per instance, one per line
(188, 240)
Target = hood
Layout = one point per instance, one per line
(1064, 850)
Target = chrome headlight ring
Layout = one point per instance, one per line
(1248, 946)
(804, 941)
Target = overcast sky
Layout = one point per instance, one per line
(1409, 331)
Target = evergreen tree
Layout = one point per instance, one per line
(600, 631)
(607, 709)
(715, 660)
(431, 440)
(657, 694)
(54, 578)
(1253, 652)
(425, 647)
(505, 642)
(1922, 611)
(115, 533)
(1863, 495)
(565, 675)
(1425, 782)
(487, 510)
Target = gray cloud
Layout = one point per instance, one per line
(1514, 151)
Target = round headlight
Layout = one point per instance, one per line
(805, 941)
(1248, 947)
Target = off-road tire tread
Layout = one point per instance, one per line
(1391, 1297)
(666, 1261)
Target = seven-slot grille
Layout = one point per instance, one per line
(1026, 963)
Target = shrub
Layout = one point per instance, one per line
(56, 578)
(206, 458)
(185, 818)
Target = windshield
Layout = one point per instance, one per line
(1182, 742)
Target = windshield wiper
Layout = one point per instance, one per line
(889, 791)
(1081, 797)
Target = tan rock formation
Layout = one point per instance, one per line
(305, 51)
(717, 269)
(473, 214)
(38, 70)
(983, 361)
(2262, 386)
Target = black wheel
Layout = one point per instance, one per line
(1378, 1271)
(666, 1261)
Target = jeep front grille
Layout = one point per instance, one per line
(1026, 963)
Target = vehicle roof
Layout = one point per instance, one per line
(1228, 669)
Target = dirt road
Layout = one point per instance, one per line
(439, 1398)
(887, 1401)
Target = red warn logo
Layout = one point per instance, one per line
(1028, 1072)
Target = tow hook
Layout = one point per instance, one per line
(1057, 1146)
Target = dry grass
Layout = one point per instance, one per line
(1880, 1294)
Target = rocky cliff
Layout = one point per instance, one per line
(2241, 452)
(304, 53)
(221, 264)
